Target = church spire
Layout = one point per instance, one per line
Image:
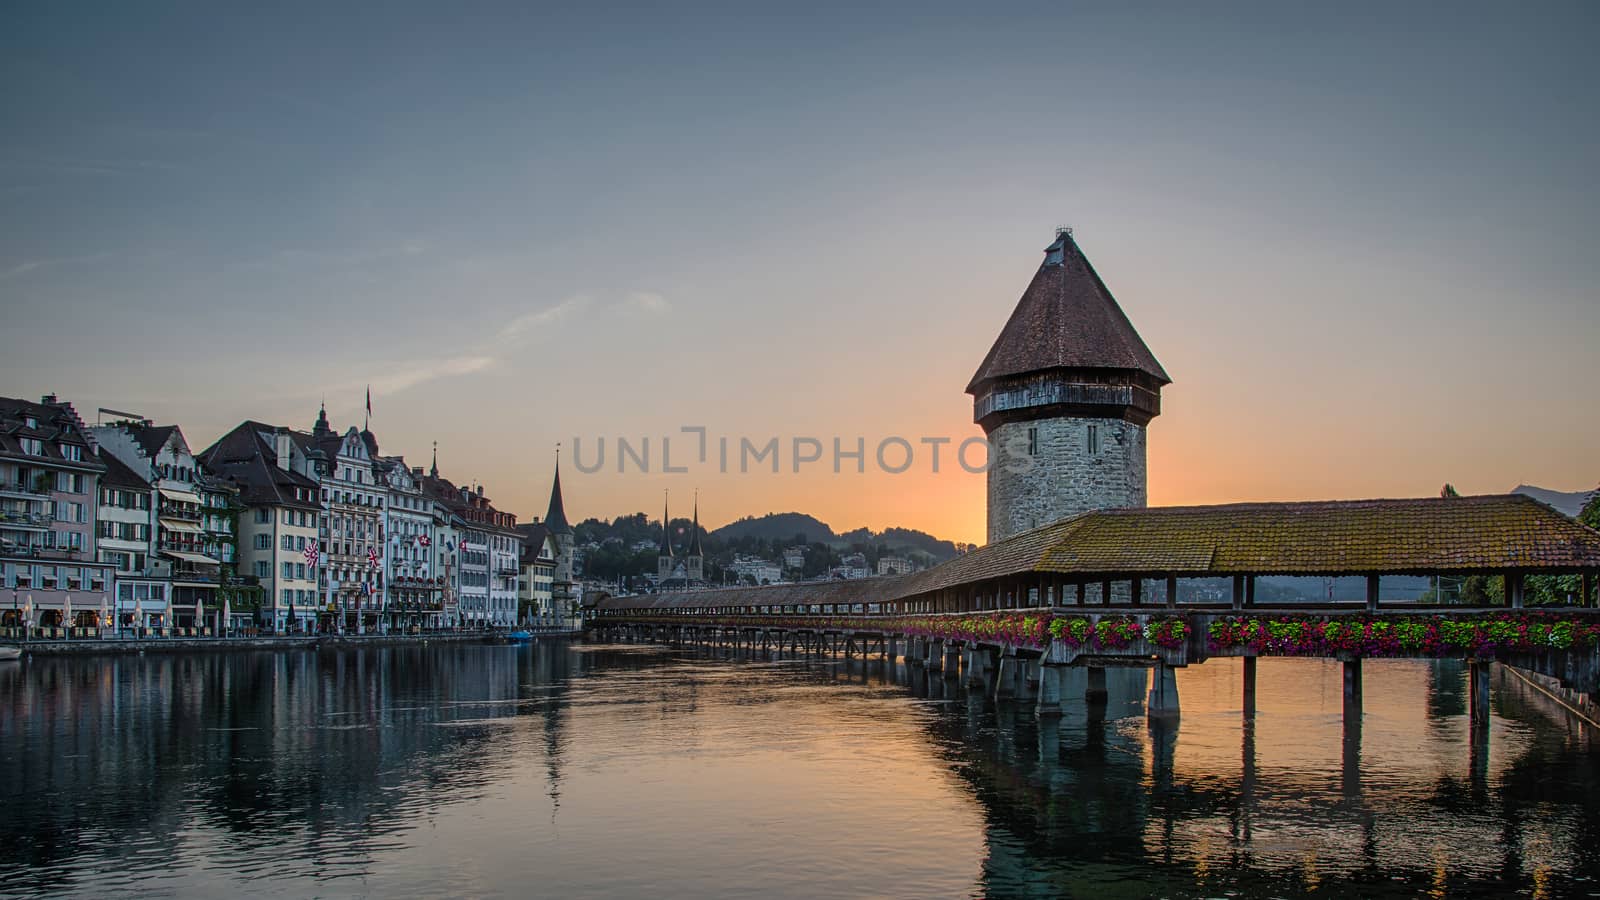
(694, 529)
(555, 518)
(665, 551)
(322, 428)
(434, 471)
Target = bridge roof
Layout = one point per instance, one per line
(1488, 534)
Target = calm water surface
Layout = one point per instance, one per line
(599, 771)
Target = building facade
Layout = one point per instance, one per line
(280, 520)
(1065, 396)
(49, 493)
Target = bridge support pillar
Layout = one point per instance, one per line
(978, 668)
(952, 660)
(1163, 698)
(1478, 695)
(1096, 690)
(935, 658)
(1249, 691)
(1005, 679)
(1049, 705)
(1028, 679)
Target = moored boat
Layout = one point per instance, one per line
(519, 636)
(10, 653)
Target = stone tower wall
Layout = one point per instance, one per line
(1062, 478)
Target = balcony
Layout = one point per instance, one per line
(31, 521)
(21, 490)
(185, 512)
(35, 551)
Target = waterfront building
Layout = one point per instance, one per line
(192, 536)
(351, 582)
(414, 587)
(125, 528)
(1069, 387)
(281, 518)
(483, 552)
(49, 490)
(536, 591)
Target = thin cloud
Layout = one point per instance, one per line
(647, 302)
(527, 322)
(398, 379)
(31, 265)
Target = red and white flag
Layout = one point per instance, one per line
(312, 554)
(372, 557)
(422, 540)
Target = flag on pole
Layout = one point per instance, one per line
(422, 540)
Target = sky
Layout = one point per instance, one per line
(1359, 238)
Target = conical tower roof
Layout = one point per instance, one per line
(555, 518)
(1067, 319)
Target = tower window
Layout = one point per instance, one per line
(1094, 440)
(1033, 442)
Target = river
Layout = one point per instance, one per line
(583, 770)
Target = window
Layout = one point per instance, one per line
(288, 570)
(71, 452)
(1033, 442)
(286, 542)
(263, 516)
(288, 596)
(263, 569)
(263, 542)
(1094, 440)
(33, 446)
(300, 571)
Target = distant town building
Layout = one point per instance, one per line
(794, 557)
(756, 569)
(895, 565)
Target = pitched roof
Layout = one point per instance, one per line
(533, 537)
(245, 456)
(119, 473)
(1066, 319)
(151, 438)
(1486, 534)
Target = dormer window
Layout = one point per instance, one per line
(30, 422)
(71, 452)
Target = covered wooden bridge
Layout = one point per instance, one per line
(1102, 588)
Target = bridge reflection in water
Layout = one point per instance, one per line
(618, 770)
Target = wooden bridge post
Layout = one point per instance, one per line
(1352, 689)
(935, 661)
(1136, 591)
(1513, 589)
(1249, 699)
(1478, 695)
(1586, 595)
(1373, 582)
(1105, 592)
(1172, 592)
(952, 659)
(1081, 587)
(1238, 592)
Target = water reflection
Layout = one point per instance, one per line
(619, 770)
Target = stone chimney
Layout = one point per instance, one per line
(281, 440)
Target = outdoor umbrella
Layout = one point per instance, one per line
(138, 614)
(66, 611)
(227, 613)
(290, 624)
(100, 622)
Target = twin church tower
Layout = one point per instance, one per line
(1065, 396)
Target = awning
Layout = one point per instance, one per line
(200, 558)
(180, 496)
(186, 527)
